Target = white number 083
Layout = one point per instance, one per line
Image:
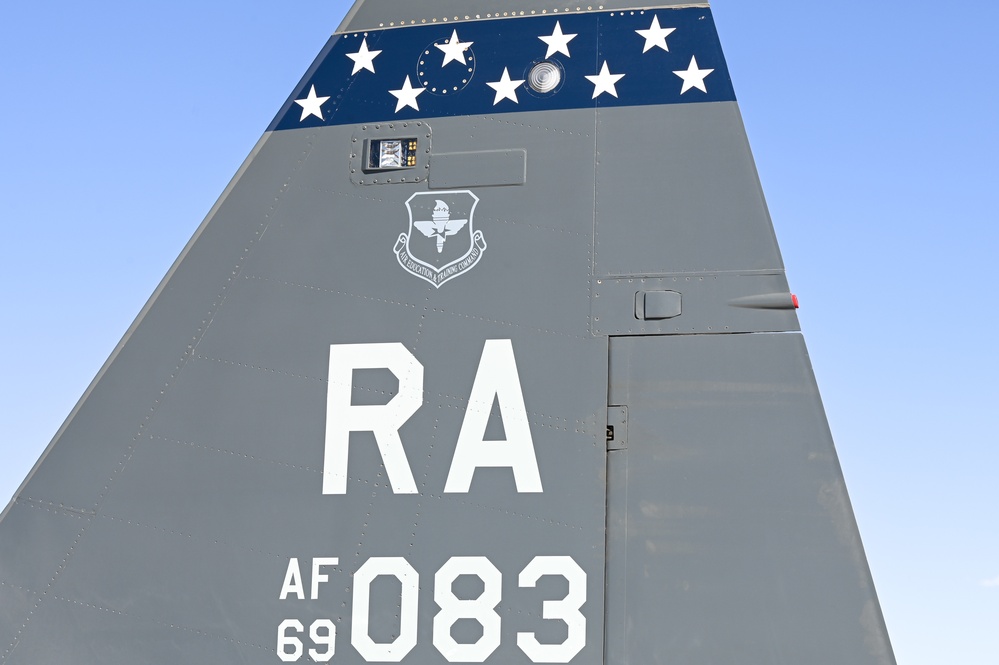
(322, 632)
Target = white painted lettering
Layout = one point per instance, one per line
(497, 378)
(293, 581)
(360, 638)
(323, 633)
(481, 609)
(566, 610)
(284, 640)
(319, 577)
(384, 421)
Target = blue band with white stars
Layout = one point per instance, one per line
(598, 60)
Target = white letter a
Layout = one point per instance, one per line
(496, 378)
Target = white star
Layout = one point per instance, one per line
(312, 105)
(693, 77)
(604, 81)
(557, 42)
(655, 36)
(454, 50)
(407, 96)
(363, 59)
(505, 88)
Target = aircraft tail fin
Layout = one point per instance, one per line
(486, 355)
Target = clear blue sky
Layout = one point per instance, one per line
(874, 127)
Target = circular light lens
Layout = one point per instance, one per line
(544, 77)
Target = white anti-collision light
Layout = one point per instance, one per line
(390, 154)
(544, 77)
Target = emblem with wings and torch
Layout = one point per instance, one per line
(441, 243)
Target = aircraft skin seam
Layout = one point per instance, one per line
(428, 464)
(18, 587)
(419, 328)
(346, 193)
(311, 287)
(512, 222)
(403, 304)
(546, 128)
(749, 272)
(44, 594)
(202, 539)
(591, 317)
(449, 400)
(509, 324)
(185, 358)
(536, 518)
(483, 408)
(555, 11)
(349, 194)
(56, 508)
(358, 481)
(354, 80)
(234, 363)
(187, 629)
(217, 305)
(234, 453)
(157, 292)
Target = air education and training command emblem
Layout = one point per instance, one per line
(441, 243)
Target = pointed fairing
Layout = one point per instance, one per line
(486, 355)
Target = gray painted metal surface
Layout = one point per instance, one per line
(415, 372)
(728, 517)
(371, 14)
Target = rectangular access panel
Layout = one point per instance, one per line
(731, 539)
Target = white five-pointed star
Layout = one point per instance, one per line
(604, 81)
(312, 105)
(363, 59)
(506, 88)
(557, 42)
(407, 96)
(454, 50)
(655, 35)
(693, 77)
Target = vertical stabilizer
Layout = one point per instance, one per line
(487, 354)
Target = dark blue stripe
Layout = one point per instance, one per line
(513, 43)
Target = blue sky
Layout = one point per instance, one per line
(874, 127)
